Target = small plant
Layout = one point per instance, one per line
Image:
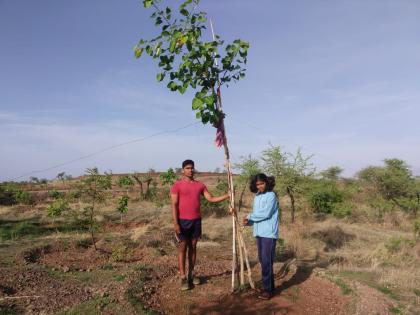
(94, 188)
(123, 205)
(121, 253)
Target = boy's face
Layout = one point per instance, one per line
(188, 171)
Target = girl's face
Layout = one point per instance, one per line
(261, 186)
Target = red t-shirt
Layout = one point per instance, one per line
(189, 193)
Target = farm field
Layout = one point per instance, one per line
(330, 266)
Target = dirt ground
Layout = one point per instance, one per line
(46, 268)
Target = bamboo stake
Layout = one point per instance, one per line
(241, 260)
(248, 267)
(236, 232)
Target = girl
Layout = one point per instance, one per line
(265, 220)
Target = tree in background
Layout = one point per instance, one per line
(248, 167)
(332, 173)
(290, 170)
(145, 192)
(61, 176)
(394, 182)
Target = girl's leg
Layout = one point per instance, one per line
(265, 252)
(273, 255)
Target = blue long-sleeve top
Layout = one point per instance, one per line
(265, 215)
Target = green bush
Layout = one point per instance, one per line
(54, 194)
(7, 195)
(342, 210)
(324, 200)
(23, 197)
(56, 208)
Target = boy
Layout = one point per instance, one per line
(185, 195)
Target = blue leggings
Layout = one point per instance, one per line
(266, 252)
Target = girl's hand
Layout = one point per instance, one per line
(232, 211)
(245, 221)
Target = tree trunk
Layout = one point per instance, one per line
(146, 194)
(241, 197)
(292, 203)
(139, 182)
(91, 224)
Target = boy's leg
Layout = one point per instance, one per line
(182, 250)
(192, 254)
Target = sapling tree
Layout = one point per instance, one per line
(125, 182)
(187, 60)
(122, 206)
(94, 188)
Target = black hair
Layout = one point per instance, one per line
(269, 181)
(187, 162)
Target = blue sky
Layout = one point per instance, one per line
(337, 78)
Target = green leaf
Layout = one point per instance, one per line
(172, 46)
(198, 115)
(184, 12)
(209, 100)
(182, 89)
(160, 76)
(138, 51)
(172, 86)
(147, 3)
(197, 103)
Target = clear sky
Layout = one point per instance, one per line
(340, 79)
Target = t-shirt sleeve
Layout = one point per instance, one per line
(203, 189)
(175, 189)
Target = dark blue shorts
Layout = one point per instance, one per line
(190, 229)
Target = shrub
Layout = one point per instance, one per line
(54, 194)
(342, 210)
(23, 197)
(169, 177)
(416, 228)
(7, 195)
(324, 200)
(57, 208)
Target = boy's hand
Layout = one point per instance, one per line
(245, 221)
(177, 229)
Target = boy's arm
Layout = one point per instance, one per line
(211, 198)
(175, 211)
